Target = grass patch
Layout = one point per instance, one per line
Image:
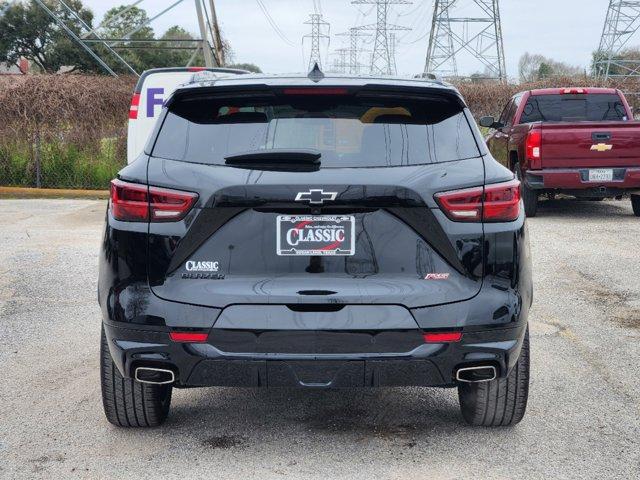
(63, 165)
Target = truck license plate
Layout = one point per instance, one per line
(601, 175)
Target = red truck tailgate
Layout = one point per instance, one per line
(590, 144)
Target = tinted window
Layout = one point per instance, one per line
(504, 116)
(573, 108)
(348, 130)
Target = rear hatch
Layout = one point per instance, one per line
(584, 130)
(315, 195)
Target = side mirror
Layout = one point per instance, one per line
(490, 122)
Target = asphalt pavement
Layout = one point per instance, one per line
(583, 419)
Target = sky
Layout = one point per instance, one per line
(565, 30)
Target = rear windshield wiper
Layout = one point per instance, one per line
(276, 159)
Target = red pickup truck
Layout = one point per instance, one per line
(577, 141)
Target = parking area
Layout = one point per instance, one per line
(582, 420)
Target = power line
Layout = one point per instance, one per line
(274, 25)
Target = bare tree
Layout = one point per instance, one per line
(533, 67)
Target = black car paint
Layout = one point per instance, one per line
(317, 345)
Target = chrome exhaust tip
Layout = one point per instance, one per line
(484, 373)
(155, 376)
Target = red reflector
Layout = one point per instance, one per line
(192, 337)
(135, 104)
(132, 202)
(442, 337)
(315, 91)
(499, 202)
(533, 147)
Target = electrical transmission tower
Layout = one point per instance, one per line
(479, 35)
(392, 53)
(95, 43)
(381, 63)
(621, 23)
(354, 34)
(316, 35)
(340, 64)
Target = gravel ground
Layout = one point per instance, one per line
(583, 419)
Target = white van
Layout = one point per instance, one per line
(153, 88)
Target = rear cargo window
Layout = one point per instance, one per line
(592, 107)
(348, 130)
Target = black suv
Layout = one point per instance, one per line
(320, 232)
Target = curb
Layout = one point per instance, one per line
(22, 192)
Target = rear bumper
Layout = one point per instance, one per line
(204, 364)
(624, 179)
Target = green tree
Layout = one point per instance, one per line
(178, 53)
(139, 54)
(246, 66)
(544, 70)
(26, 30)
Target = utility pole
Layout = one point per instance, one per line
(381, 63)
(206, 48)
(479, 35)
(316, 35)
(621, 23)
(217, 37)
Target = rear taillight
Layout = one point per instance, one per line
(499, 202)
(135, 104)
(132, 202)
(533, 145)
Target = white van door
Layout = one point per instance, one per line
(153, 88)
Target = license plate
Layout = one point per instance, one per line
(315, 235)
(601, 175)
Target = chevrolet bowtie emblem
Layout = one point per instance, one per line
(316, 196)
(601, 147)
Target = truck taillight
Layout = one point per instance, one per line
(499, 202)
(132, 202)
(574, 91)
(533, 147)
(133, 108)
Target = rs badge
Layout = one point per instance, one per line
(601, 147)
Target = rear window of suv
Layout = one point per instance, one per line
(573, 108)
(348, 130)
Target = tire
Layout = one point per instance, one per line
(529, 196)
(635, 204)
(126, 402)
(500, 402)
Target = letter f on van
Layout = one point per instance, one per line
(154, 97)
